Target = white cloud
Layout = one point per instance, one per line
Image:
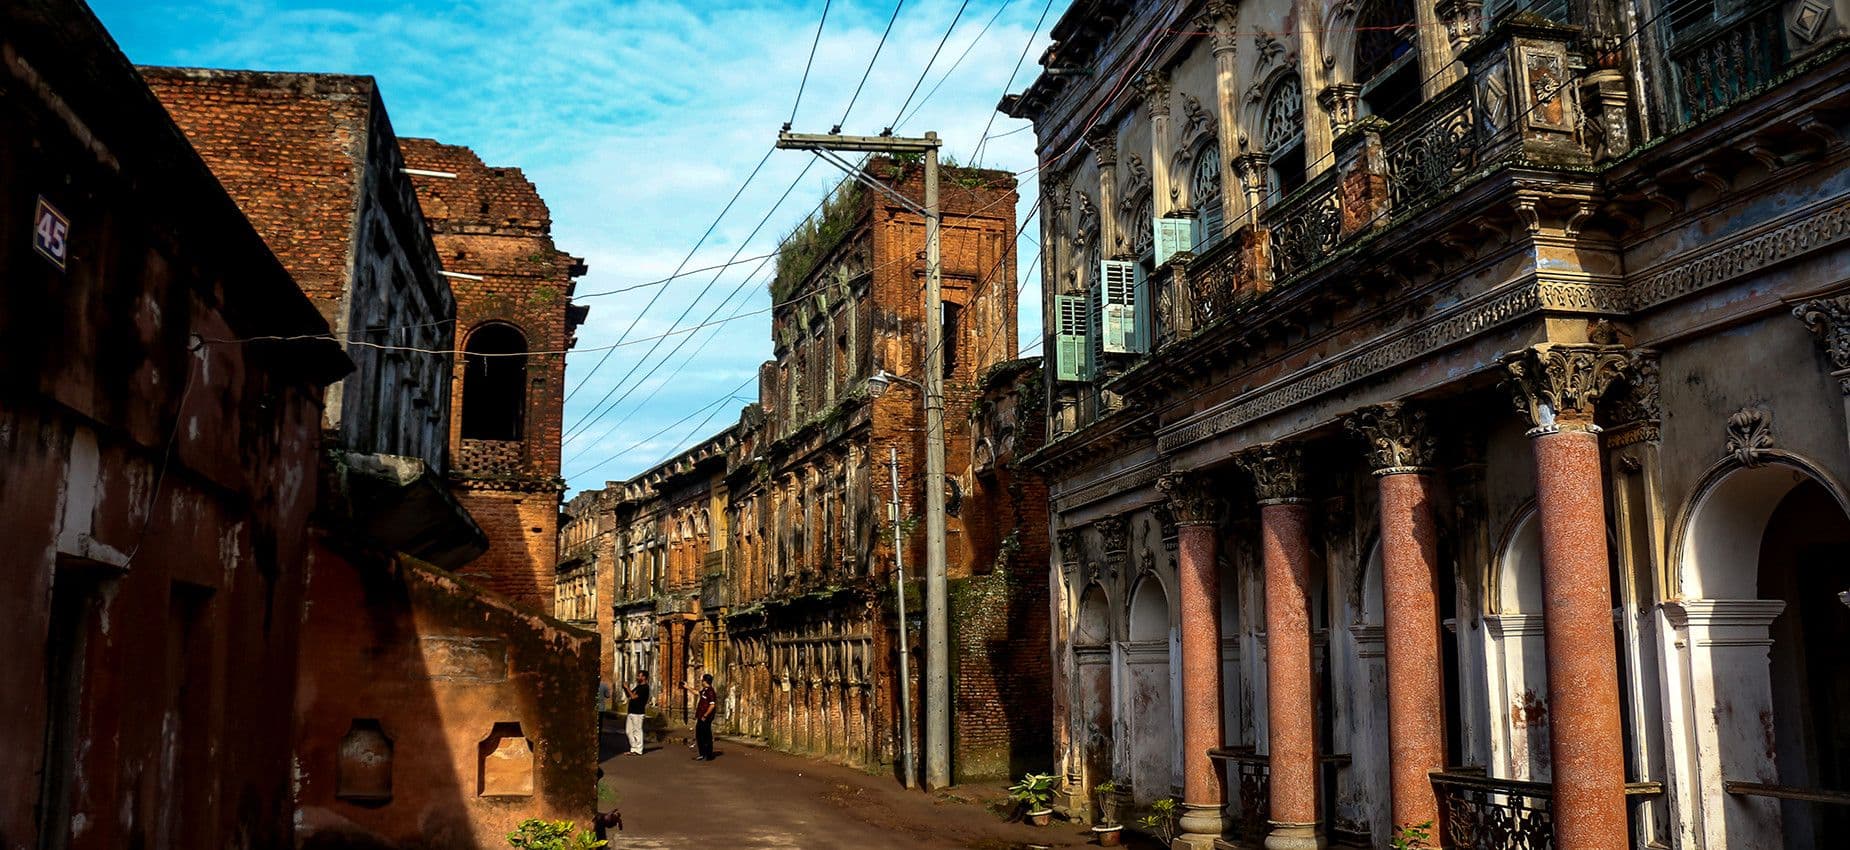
(637, 120)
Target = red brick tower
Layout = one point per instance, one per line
(514, 320)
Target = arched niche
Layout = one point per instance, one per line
(1517, 655)
(1148, 694)
(494, 390)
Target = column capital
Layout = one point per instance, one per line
(1556, 386)
(1829, 320)
(1057, 194)
(1103, 140)
(1113, 534)
(1278, 473)
(1190, 500)
(1155, 87)
(1396, 438)
(1221, 18)
(1070, 550)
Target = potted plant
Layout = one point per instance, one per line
(1108, 830)
(1161, 821)
(1035, 794)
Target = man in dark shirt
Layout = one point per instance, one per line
(638, 703)
(704, 709)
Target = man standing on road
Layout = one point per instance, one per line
(703, 717)
(639, 703)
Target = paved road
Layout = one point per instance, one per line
(753, 798)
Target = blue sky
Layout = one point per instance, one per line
(638, 120)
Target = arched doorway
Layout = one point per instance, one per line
(494, 391)
(1805, 562)
(1762, 647)
(1148, 697)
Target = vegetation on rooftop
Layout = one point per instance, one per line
(818, 235)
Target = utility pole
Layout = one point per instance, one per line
(905, 632)
(937, 595)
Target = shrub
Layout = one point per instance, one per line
(536, 834)
(1035, 791)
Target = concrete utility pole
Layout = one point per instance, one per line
(906, 771)
(937, 596)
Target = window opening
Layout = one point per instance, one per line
(1205, 189)
(494, 384)
(1284, 135)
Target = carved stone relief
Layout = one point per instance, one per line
(1278, 472)
(1829, 320)
(1750, 436)
(1556, 385)
(1396, 437)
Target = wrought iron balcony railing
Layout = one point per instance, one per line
(1478, 812)
(1729, 62)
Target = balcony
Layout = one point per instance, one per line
(1478, 812)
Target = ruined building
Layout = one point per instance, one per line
(764, 555)
(157, 474)
(430, 710)
(1448, 418)
(514, 321)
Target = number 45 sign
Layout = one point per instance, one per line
(50, 233)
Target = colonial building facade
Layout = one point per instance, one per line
(764, 554)
(1448, 418)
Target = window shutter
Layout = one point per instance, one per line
(1071, 349)
(1145, 318)
(1173, 236)
(1119, 279)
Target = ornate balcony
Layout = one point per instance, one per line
(1728, 63)
(1478, 812)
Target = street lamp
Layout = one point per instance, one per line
(880, 380)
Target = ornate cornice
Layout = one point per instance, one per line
(1396, 437)
(1556, 385)
(1803, 231)
(1640, 404)
(1829, 320)
(1750, 436)
(1191, 501)
(1278, 473)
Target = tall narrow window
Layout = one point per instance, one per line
(1386, 57)
(494, 399)
(1205, 189)
(1284, 134)
(953, 314)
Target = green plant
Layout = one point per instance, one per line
(1417, 836)
(606, 795)
(1107, 792)
(1034, 791)
(536, 834)
(1161, 819)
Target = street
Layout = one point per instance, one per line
(750, 797)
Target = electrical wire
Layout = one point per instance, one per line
(684, 261)
(807, 63)
(870, 66)
(671, 426)
(976, 156)
(928, 63)
(689, 273)
(955, 65)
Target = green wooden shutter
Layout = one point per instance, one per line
(1072, 354)
(1119, 303)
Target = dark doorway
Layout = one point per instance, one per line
(494, 401)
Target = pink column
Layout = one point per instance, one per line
(1400, 449)
(1291, 706)
(1203, 791)
(1586, 744)
(1557, 386)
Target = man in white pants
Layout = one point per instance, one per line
(638, 703)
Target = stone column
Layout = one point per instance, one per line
(1556, 386)
(1065, 606)
(1291, 702)
(1438, 67)
(1156, 103)
(1222, 18)
(1104, 143)
(1196, 513)
(1400, 449)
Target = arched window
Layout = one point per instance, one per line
(1284, 134)
(1204, 188)
(494, 401)
(1386, 62)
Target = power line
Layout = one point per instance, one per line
(807, 63)
(955, 65)
(684, 261)
(689, 273)
(928, 63)
(577, 426)
(870, 66)
(645, 441)
(976, 156)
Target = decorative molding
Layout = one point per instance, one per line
(1407, 343)
(1750, 436)
(1802, 232)
(1640, 405)
(1155, 87)
(1556, 385)
(1190, 500)
(1397, 438)
(1103, 140)
(1278, 473)
(1107, 485)
(1828, 319)
(1071, 543)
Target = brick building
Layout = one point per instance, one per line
(764, 546)
(156, 475)
(515, 320)
(1441, 431)
(430, 711)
